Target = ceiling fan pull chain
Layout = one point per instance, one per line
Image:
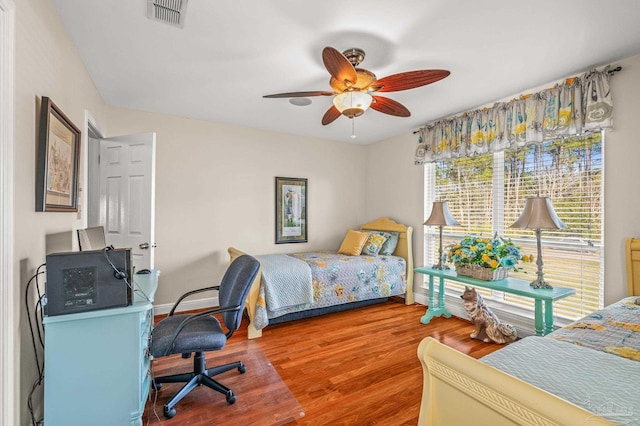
(353, 128)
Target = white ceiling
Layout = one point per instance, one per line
(232, 52)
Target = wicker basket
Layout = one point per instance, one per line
(480, 273)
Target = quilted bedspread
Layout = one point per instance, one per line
(614, 329)
(604, 384)
(338, 279)
(287, 281)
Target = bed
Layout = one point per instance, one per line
(584, 373)
(339, 282)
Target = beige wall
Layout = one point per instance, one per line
(47, 64)
(215, 189)
(403, 182)
(395, 187)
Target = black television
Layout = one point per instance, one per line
(87, 281)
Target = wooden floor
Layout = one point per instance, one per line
(357, 367)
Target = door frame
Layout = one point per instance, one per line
(91, 131)
(8, 296)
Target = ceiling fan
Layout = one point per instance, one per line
(354, 88)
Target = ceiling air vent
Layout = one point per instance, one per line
(168, 11)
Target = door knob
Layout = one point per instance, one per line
(144, 246)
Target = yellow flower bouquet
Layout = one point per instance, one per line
(496, 254)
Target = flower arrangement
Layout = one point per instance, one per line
(490, 253)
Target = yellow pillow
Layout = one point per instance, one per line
(353, 243)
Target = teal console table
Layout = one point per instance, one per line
(97, 364)
(543, 322)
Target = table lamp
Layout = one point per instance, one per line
(538, 214)
(441, 216)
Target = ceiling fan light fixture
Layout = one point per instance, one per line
(352, 104)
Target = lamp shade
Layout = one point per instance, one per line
(538, 213)
(352, 104)
(440, 215)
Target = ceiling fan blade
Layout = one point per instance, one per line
(330, 116)
(339, 66)
(408, 80)
(300, 94)
(389, 106)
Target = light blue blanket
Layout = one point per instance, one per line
(286, 280)
(602, 383)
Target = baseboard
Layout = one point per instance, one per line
(189, 305)
(206, 303)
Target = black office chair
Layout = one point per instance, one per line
(184, 334)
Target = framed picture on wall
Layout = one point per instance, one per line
(291, 210)
(58, 160)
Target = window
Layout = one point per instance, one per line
(486, 194)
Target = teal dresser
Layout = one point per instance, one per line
(98, 365)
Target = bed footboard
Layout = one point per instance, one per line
(460, 390)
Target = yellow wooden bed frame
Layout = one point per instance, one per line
(460, 390)
(632, 251)
(404, 249)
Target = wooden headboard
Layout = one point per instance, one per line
(632, 251)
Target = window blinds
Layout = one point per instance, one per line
(487, 193)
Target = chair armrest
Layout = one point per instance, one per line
(190, 293)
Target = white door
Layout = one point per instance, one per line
(127, 195)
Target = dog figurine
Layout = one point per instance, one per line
(488, 327)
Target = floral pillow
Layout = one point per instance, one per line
(390, 245)
(374, 243)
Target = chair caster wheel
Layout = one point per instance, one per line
(231, 398)
(242, 369)
(169, 412)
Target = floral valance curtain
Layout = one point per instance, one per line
(580, 105)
